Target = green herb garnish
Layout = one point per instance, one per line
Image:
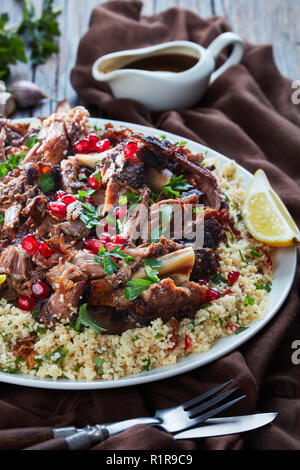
(11, 45)
(175, 185)
(130, 198)
(249, 301)
(256, 254)
(85, 319)
(40, 32)
(62, 354)
(147, 362)
(242, 256)
(104, 258)
(98, 361)
(241, 329)
(31, 141)
(267, 287)
(47, 183)
(219, 279)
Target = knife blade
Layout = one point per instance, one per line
(223, 426)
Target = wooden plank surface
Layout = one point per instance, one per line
(257, 21)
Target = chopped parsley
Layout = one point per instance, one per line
(1, 218)
(249, 301)
(130, 198)
(219, 279)
(159, 336)
(13, 161)
(182, 143)
(175, 185)
(47, 183)
(153, 262)
(62, 353)
(81, 195)
(256, 254)
(242, 256)
(148, 363)
(4, 338)
(226, 197)
(89, 217)
(31, 141)
(136, 286)
(163, 137)
(104, 258)
(241, 329)
(11, 367)
(267, 287)
(85, 319)
(98, 361)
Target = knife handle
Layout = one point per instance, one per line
(14, 439)
(81, 440)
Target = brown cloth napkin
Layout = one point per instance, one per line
(247, 114)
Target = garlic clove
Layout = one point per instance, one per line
(7, 104)
(26, 93)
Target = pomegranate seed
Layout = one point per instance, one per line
(45, 250)
(212, 295)
(30, 244)
(26, 303)
(227, 292)
(97, 245)
(233, 327)
(89, 200)
(233, 276)
(202, 282)
(40, 290)
(59, 195)
(88, 243)
(68, 199)
(58, 209)
(104, 237)
(82, 146)
(173, 339)
(102, 145)
(187, 342)
(118, 240)
(93, 183)
(93, 141)
(130, 150)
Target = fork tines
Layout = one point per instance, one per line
(193, 409)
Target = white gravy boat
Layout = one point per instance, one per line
(163, 90)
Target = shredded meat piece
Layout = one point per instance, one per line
(61, 304)
(69, 175)
(162, 300)
(58, 132)
(11, 220)
(86, 262)
(163, 154)
(15, 262)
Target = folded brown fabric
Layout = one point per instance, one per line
(247, 114)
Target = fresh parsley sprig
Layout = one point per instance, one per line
(136, 286)
(40, 32)
(175, 186)
(86, 320)
(105, 258)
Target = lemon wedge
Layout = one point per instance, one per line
(2, 278)
(265, 215)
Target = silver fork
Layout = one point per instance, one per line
(171, 420)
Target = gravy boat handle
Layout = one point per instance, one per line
(219, 44)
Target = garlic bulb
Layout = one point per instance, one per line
(26, 93)
(7, 104)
